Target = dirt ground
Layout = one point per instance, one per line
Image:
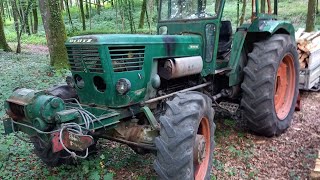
(289, 156)
(242, 155)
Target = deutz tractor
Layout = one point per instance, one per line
(158, 93)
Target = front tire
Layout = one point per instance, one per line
(270, 86)
(186, 142)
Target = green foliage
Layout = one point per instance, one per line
(37, 39)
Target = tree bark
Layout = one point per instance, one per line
(31, 23)
(311, 16)
(2, 10)
(87, 9)
(8, 10)
(243, 12)
(26, 22)
(3, 42)
(61, 5)
(98, 7)
(217, 6)
(55, 32)
(83, 18)
(318, 7)
(35, 18)
(68, 11)
(15, 13)
(263, 6)
(142, 14)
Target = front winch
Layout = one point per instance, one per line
(34, 106)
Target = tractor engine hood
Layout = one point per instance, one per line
(132, 39)
(101, 63)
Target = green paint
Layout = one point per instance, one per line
(152, 120)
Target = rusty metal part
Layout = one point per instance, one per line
(140, 145)
(199, 150)
(71, 141)
(135, 133)
(172, 94)
(132, 134)
(180, 67)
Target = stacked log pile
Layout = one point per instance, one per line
(315, 174)
(306, 44)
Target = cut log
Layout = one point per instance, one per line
(299, 33)
(306, 35)
(315, 174)
(307, 43)
(303, 65)
(304, 49)
(316, 40)
(317, 34)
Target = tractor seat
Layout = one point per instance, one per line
(225, 37)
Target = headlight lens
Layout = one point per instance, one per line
(123, 86)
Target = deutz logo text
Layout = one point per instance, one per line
(80, 40)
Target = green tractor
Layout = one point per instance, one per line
(157, 93)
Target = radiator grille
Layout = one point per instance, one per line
(127, 58)
(85, 57)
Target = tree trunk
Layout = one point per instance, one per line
(243, 13)
(83, 18)
(61, 5)
(55, 32)
(31, 23)
(263, 6)
(217, 6)
(2, 10)
(35, 18)
(87, 9)
(68, 11)
(26, 22)
(8, 10)
(98, 7)
(15, 13)
(311, 16)
(142, 14)
(3, 42)
(318, 7)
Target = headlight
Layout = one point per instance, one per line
(123, 86)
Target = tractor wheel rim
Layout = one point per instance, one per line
(284, 87)
(200, 168)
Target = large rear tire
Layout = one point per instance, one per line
(270, 86)
(186, 142)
